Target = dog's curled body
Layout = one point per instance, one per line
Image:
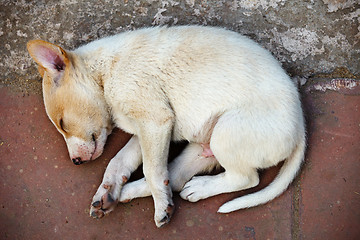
(206, 85)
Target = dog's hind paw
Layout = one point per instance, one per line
(196, 189)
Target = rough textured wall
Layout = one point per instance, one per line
(308, 37)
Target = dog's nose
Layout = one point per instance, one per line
(77, 161)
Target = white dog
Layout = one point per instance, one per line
(216, 89)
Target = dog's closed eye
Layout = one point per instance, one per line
(61, 124)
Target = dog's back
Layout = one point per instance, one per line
(213, 69)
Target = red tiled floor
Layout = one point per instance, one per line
(330, 183)
(45, 196)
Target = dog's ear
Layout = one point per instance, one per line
(50, 57)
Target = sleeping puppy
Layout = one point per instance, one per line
(223, 93)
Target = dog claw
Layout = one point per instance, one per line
(96, 204)
(97, 214)
(166, 219)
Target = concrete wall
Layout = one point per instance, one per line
(308, 37)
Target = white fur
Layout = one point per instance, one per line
(77, 147)
(85, 149)
(204, 85)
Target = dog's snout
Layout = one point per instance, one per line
(77, 161)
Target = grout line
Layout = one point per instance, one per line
(295, 207)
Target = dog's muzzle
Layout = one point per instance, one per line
(77, 161)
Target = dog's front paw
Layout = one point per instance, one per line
(106, 198)
(162, 217)
(164, 206)
(104, 201)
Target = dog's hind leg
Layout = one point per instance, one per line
(116, 175)
(189, 163)
(202, 187)
(233, 147)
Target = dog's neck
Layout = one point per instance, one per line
(93, 67)
(99, 80)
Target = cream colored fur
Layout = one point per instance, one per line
(201, 84)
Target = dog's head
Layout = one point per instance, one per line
(74, 100)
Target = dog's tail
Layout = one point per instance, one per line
(287, 173)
